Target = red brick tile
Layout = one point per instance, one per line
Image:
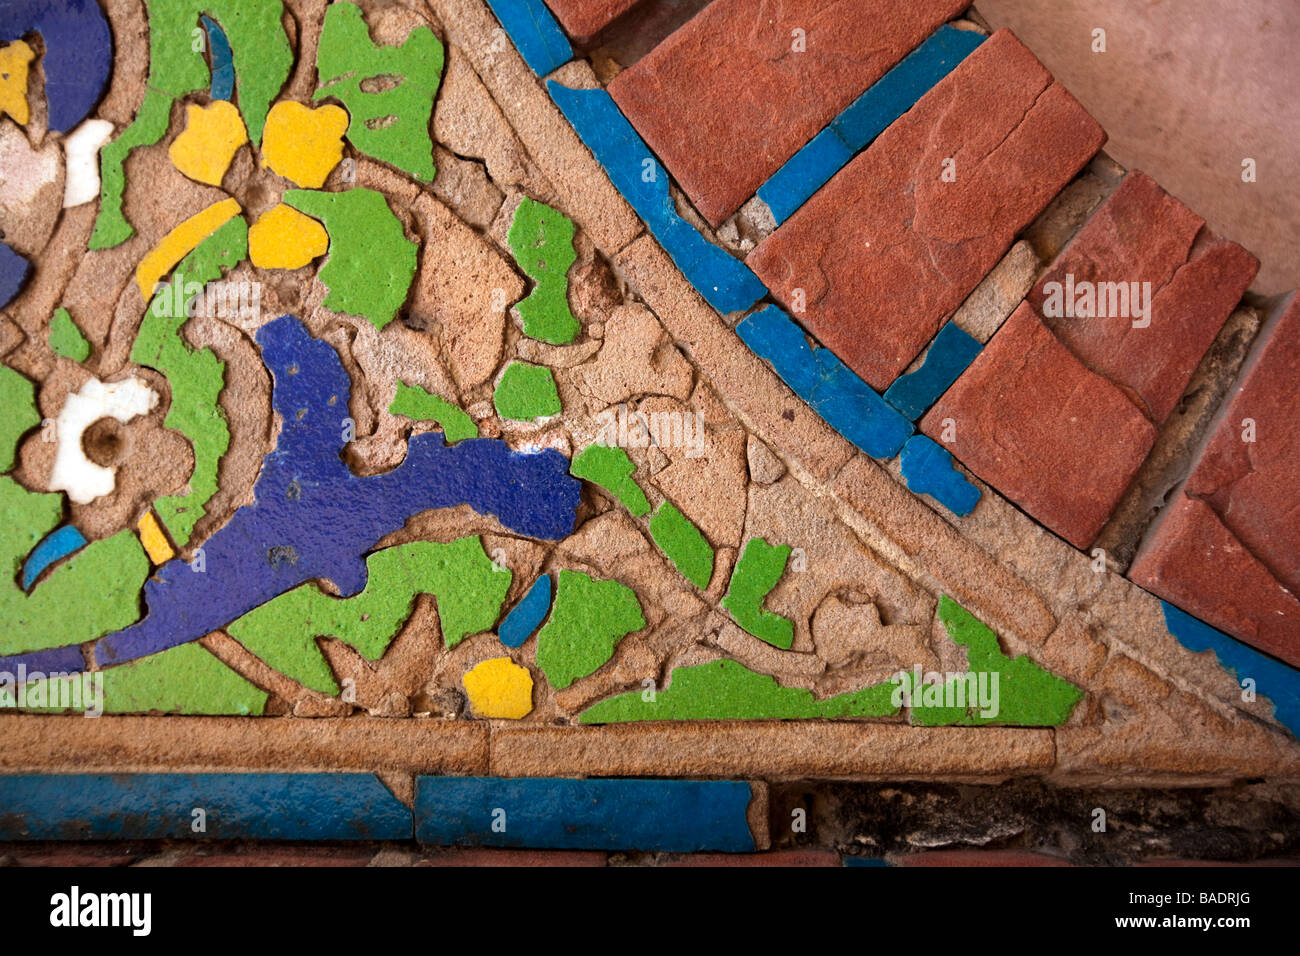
(264, 856)
(489, 856)
(74, 855)
(1142, 234)
(772, 858)
(978, 858)
(583, 19)
(725, 101)
(1197, 564)
(887, 249)
(1057, 439)
(1228, 549)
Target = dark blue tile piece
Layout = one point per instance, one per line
(865, 119)
(928, 470)
(313, 518)
(13, 273)
(59, 543)
(223, 64)
(952, 350)
(61, 660)
(872, 861)
(535, 33)
(154, 806)
(848, 404)
(671, 816)
(724, 281)
(1273, 679)
(78, 53)
(526, 616)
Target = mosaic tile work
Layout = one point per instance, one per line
(394, 374)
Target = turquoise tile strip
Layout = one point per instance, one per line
(535, 33)
(864, 119)
(724, 281)
(848, 404)
(1273, 679)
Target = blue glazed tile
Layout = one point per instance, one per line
(671, 816)
(872, 861)
(526, 616)
(223, 65)
(59, 543)
(848, 404)
(1273, 679)
(536, 35)
(951, 352)
(78, 53)
(865, 119)
(724, 281)
(13, 273)
(153, 806)
(313, 518)
(928, 470)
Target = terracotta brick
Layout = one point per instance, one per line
(1141, 234)
(269, 856)
(888, 248)
(1196, 563)
(491, 856)
(774, 858)
(725, 100)
(1228, 549)
(1031, 420)
(583, 19)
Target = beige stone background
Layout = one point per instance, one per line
(1186, 89)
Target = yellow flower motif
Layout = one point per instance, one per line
(300, 143)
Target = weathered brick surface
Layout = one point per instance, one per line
(1228, 549)
(491, 856)
(1141, 234)
(799, 858)
(1032, 421)
(726, 100)
(888, 248)
(583, 19)
(1195, 562)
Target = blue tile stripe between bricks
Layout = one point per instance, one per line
(949, 354)
(671, 816)
(864, 119)
(848, 404)
(151, 806)
(1273, 679)
(536, 35)
(724, 281)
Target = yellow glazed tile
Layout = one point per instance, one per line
(212, 134)
(180, 242)
(500, 688)
(284, 238)
(155, 542)
(303, 144)
(13, 80)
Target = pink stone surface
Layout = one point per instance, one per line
(1141, 234)
(888, 248)
(726, 100)
(1032, 421)
(583, 19)
(1230, 553)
